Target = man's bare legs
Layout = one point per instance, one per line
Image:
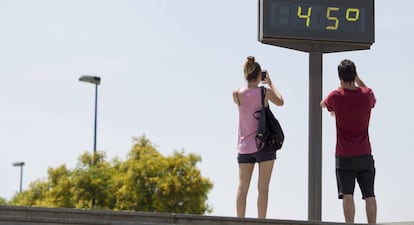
(245, 175)
(265, 173)
(349, 208)
(371, 209)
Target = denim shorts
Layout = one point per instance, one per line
(259, 156)
(351, 169)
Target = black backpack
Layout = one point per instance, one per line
(269, 135)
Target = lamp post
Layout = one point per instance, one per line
(93, 80)
(21, 164)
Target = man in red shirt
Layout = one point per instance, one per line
(351, 105)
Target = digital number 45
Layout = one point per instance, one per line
(352, 15)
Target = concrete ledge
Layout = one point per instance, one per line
(13, 215)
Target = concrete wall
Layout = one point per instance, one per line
(10, 215)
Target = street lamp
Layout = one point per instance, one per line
(93, 80)
(21, 164)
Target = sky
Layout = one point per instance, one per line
(168, 69)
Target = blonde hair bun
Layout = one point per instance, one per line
(250, 66)
(251, 59)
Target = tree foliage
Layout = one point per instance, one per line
(3, 201)
(145, 181)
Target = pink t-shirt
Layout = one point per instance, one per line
(352, 112)
(250, 104)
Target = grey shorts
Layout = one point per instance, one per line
(351, 169)
(259, 156)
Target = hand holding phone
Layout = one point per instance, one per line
(264, 75)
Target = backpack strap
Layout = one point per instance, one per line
(263, 93)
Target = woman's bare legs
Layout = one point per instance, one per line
(265, 173)
(245, 175)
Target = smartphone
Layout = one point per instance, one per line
(263, 75)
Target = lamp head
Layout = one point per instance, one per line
(90, 79)
(18, 164)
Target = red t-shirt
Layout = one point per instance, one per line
(352, 110)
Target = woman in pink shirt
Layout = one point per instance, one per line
(249, 104)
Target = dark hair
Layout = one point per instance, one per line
(251, 69)
(347, 71)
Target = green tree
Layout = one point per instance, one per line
(3, 201)
(92, 181)
(71, 188)
(34, 196)
(182, 188)
(139, 176)
(145, 181)
(60, 188)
